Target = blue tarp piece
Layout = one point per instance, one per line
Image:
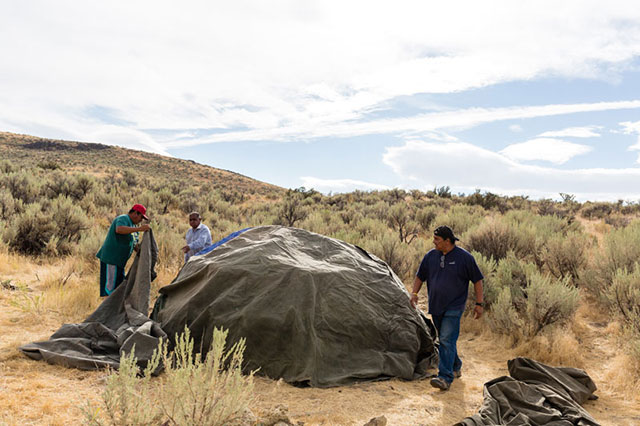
(221, 242)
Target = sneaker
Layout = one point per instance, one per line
(440, 383)
(457, 374)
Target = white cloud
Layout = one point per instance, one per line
(629, 128)
(516, 128)
(297, 66)
(418, 124)
(555, 151)
(339, 185)
(574, 132)
(459, 165)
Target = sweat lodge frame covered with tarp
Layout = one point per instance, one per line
(314, 310)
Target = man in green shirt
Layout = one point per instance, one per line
(118, 246)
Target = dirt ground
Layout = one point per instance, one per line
(35, 393)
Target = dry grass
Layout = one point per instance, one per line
(37, 393)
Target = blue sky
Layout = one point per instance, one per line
(517, 98)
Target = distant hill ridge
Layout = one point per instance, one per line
(95, 158)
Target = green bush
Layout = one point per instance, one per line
(624, 297)
(523, 310)
(488, 268)
(8, 205)
(291, 210)
(31, 231)
(460, 218)
(399, 218)
(70, 222)
(620, 252)
(22, 186)
(566, 255)
(191, 391)
(7, 167)
(495, 238)
(396, 254)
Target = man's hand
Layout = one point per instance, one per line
(144, 228)
(477, 312)
(414, 300)
(185, 249)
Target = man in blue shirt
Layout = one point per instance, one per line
(447, 269)
(118, 246)
(198, 237)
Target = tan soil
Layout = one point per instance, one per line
(36, 393)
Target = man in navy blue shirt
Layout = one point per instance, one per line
(447, 269)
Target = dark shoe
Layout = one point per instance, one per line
(440, 383)
(457, 374)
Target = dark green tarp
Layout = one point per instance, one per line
(535, 394)
(118, 324)
(314, 310)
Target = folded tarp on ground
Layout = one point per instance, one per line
(118, 324)
(535, 394)
(314, 310)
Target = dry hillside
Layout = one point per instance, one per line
(100, 160)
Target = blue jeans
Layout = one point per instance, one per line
(448, 326)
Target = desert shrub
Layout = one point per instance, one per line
(191, 391)
(291, 210)
(620, 252)
(488, 268)
(170, 240)
(425, 218)
(31, 231)
(396, 254)
(166, 199)
(545, 226)
(442, 191)
(624, 297)
(351, 214)
(524, 310)
(7, 204)
(399, 218)
(378, 210)
(591, 210)
(566, 255)
(89, 244)
(129, 177)
(510, 273)
(83, 185)
(59, 184)
(70, 221)
(49, 165)
(617, 220)
(460, 218)
(495, 238)
(7, 167)
(190, 201)
(486, 200)
(22, 186)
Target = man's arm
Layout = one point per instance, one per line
(200, 242)
(478, 309)
(417, 283)
(131, 229)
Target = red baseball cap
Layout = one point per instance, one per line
(140, 209)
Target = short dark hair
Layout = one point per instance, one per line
(445, 233)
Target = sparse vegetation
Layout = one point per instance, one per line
(537, 257)
(190, 390)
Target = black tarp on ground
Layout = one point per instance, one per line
(313, 309)
(119, 323)
(535, 394)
